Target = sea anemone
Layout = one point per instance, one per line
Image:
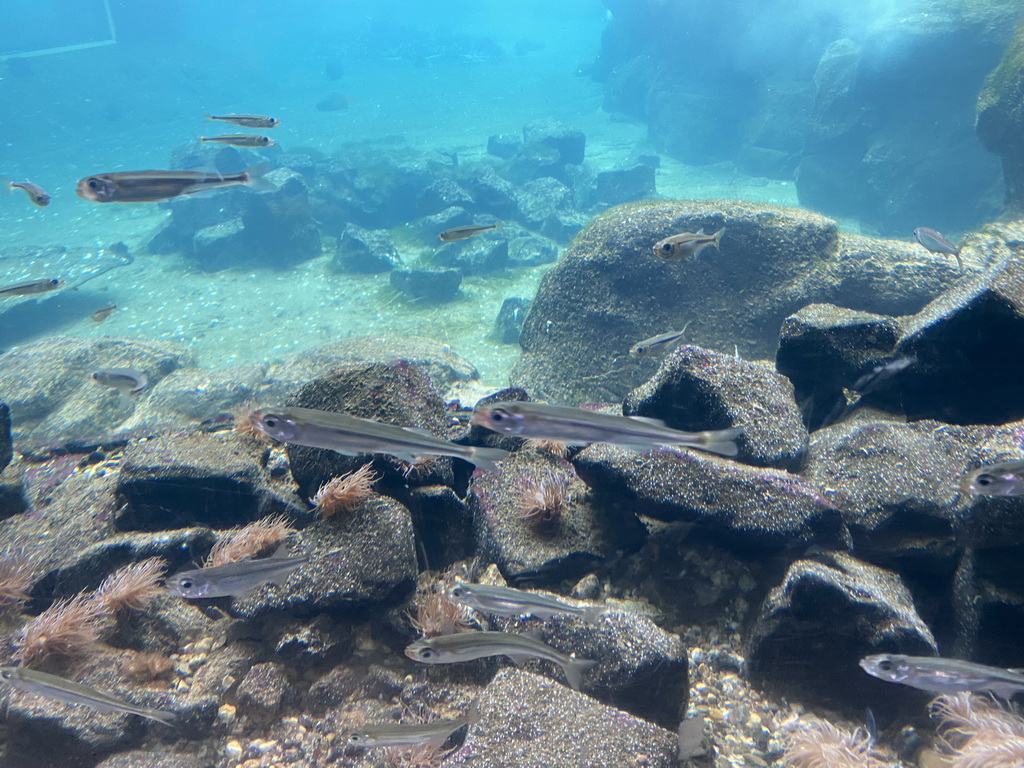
(68, 628)
(341, 494)
(979, 732)
(246, 418)
(542, 498)
(15, 580)
(437, 614)
(132, 586)
(258, 537)
(814, 743)
(554, 447)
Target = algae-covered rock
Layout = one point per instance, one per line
(527, 720)
(1000, 123)
(827, 614)
(696, 389)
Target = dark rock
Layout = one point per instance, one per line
(737, 506)
(212, 681)
(6, 444)
(625, 90)
(518, 705)
(334, 688)
(624, 186)
(503, 145)
(478, 255)
(1000, 123)
(563, 227)
(582, 180)
(696, 389)
(149, 759)
(173, 400)
(570, 142)
(535, 161)
(219, 157)
(531, 251)
(216, 479)
(264, 692)
(221, 246)
(280, 223)
(510, 319)
(430, 227)
(365, 251)
(317, 641)
(442, 194)
(398, 393)
(360, 558)
(47, 384)
(443, 523)
(533, 517)
(493, 194)
(430, 286)
(828, 614)
(542, 199)
(691, 122)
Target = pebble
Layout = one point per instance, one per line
(233, 750)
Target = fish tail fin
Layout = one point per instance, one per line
(959, 260)
(718, 238)
(574, 670)
(473, 713)
(209, 116)
(720, 441)
(593, 613)
(161, 716)
(8, 185)
(485, 458)
(254, 177)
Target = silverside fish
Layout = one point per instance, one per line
(506, 601)
(400, 735)
(938, 675)
(235, 579)
(1006, 479)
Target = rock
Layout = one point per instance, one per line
(542, 199)
(1000, 123)
(430, 286)
(445, 368)
(443, 523)
(828, 614)
(493, 194)
(334, 688)
(193, 395)
(479, 255)
(570, 142)
(564, 226)
(509, 323)
(608, 291)
(264, 692)
(736, 506)
(47, 384)
(359, 559)
(224, 667)
(626, 185)
(535, 161)
(365, 251)
(6, 444)
(215, 479)
(531, 251)
(519, 709)
(582, 180)
(503, 145)
(397, 393)
(442, 194)
(308, 642)
(429, 227)
(696, 389)
(532, 517)
(222, 245)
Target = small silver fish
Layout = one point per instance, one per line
(657, 345)
(398, 735)
(235, 579)
(150, 186)
(936, 242)
(505, 601)
(937, 675)
(35, 193)
(467, 646)
(686, 245)
(467, 230)
(240, 139)
(127, 381)
(692, 741)
(576, 426)
(30, 287)
(70, 692)
(1006, 479)
(248, 121)
(352, 436)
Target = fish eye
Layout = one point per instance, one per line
(94, 184)
(354, 738)
(499, 415)
(185, 584)
(666, 247)
(886, 665)
(640, 350)
(426, 653)
(40, 198)
(6, 674)
(984, 479)
(457, 592)
(270, 422)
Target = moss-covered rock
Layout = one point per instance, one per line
(1001, 119)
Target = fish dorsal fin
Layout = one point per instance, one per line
(420, 431)
(701, 232)
(648, 420)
